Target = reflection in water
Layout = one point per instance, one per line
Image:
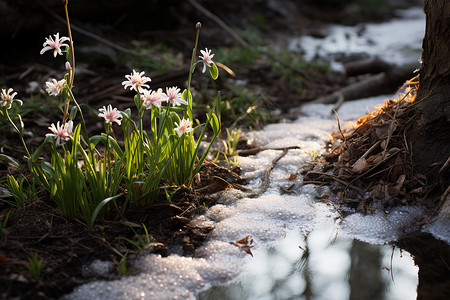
(432, 256)
(323, 265)
(365, 278)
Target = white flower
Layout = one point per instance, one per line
(54, 87)
(173, 96)
(206, 58)
(154, 98)
(136, 81)
(111, 115)
(55, 44)
(62, 133)
(185, 126)
(8, 98)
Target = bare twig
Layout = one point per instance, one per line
(266, 177)
(90, 34)
(219, 22)
(443, 198)
(335, 178)
(442, 170)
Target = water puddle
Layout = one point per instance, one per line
(323, 265)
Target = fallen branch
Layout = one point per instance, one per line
(219, 22)
(90, 34)
(380, 83)
(256, 150)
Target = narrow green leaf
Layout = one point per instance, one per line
(213, 71)
(186, 96)
(73, 112)
(10, 160)
(126, 113)
(48, 168)
(99, 208)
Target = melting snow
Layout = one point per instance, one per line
(397, 41)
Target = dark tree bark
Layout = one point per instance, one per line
(430, 134)
(430, 141)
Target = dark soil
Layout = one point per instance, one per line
(65, 246)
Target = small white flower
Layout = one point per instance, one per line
(154, 98)
(173, 96)
(110, 115)
(54, 87)
(206, 58)
(136, 81)
(185, 126)
(55, 44)
(61, 133)
(7, 98)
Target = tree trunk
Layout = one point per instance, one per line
(430, 133)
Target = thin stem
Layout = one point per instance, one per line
(107, 157)
(19, 132)
(191, 69)
(83, 124)
(72, 52)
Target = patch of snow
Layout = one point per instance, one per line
(382, 227)
(398, 41)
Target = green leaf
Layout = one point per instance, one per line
(20, 122)
(186, 96)
(10, 160)
(47, 168)
(126, 113)
(138, 101)
(73, 112)
(99, 208)
(102, 138)
(214, 123)
(213, 71)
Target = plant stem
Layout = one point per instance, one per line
(191, 69)
(19, 132)
(72, 52)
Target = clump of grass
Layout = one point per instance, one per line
(246, 107)
(3, 224)
(21, 190)
(34, 266)
(122, 266)
(85, 181)
(153, 57)
(141, 243)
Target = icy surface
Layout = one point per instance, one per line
(398, 41)
(440, 226)
(382, 226)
